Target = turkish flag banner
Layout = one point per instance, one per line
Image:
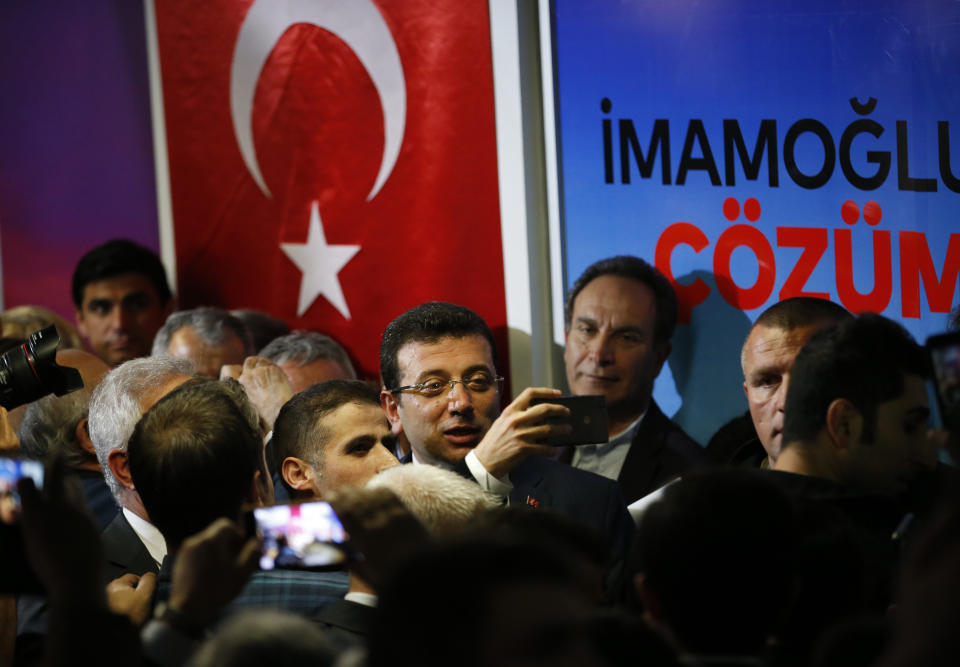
(333, 163)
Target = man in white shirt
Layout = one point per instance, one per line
(131, 542)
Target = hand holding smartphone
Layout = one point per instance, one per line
(587, 420)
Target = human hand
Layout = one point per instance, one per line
(8, 438)
(131, 595)
(54, 518)
(267, 386)
(210, 570)
(519, 432)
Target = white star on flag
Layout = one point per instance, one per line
(320, 263)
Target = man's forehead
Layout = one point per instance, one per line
(353, 420)
(451, 355)
(118, 287)
(617, 295)
(771, 344)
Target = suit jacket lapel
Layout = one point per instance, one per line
(528, 488)
(642, 465)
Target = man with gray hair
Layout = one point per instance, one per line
(59, 424)
(131, 543)
(209, 337)
(308, 357)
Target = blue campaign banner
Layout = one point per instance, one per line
(758, 150)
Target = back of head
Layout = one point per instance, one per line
(212, 325)
(266, 637)
(304, 347)
(443, 606)
(115, 407)
(49, 425)
(428, 323)
(634, 268)
(698, 549)
(298, 430)
(440, 499)
(193, 456)
(116, 258)
(863, 360)
(21, 321)
(263, 328)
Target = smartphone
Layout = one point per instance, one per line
(11, 471)
(16, 575)
(300, 536)
(587, 419)
(944, 350)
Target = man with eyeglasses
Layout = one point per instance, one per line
(441, 391)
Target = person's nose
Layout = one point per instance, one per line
(118, 318)
(459, 399)
(385, 459)
(601, 350)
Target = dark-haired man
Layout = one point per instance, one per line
(330, 436)
(857, 409)
(121, 297)
(442, 391)
(620, 315)
(855, 437)
(196, 457)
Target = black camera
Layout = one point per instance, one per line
(30, 371)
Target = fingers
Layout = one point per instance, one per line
(522, 401)
(231, 371)
(249, 556)
(147, 584)
(128, 580)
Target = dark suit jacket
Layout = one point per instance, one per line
(123, 550)
(659, 452)
(347, 623)
(588, 498)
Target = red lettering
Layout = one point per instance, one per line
(916, 265)
(814, 243)
(878, 298)
(688, 296)
(751, 237)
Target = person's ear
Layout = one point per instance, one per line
(844, 423)
(119, 466)
(391, 407)
(82, 435)
(298, 474)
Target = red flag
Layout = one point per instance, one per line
(333, 163)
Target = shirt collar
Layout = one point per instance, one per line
(148, 534)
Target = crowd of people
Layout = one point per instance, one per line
(819, 528)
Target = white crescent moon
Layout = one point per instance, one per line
(359, 24)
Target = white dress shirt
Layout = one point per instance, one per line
(607, 458)
(148, 534)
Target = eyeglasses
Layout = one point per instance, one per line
(476, 384)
